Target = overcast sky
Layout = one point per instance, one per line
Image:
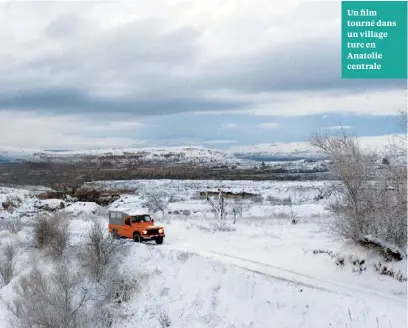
(175, 72)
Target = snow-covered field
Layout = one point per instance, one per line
(263, 271)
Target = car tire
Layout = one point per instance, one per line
(159, 240)
(136, 238)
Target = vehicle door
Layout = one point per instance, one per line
(127, 228)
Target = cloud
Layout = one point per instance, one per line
(229, 125)
(339, 127)
(31, 130)
(219, 141)
(87, 68)
(370, 102)
(170, 57)
(268, 125)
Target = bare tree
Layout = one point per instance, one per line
(7, 264)
(51, 233)
(100, 251)
(366, 206)
(157, 201)
(219, 205)
(57, 300)
(239, 206)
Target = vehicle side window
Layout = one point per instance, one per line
(140, 218)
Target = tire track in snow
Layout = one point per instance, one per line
(290, 276)
(323, 284)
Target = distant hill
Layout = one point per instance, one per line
(194, 155)
(291, 151)
(4, 160)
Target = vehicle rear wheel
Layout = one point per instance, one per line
(136, 238)
(159, 240)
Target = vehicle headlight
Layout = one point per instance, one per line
(161, 230)
(144, 232)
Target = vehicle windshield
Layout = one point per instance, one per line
(141, 218)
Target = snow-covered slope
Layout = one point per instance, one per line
(197, 154)
(261, 272)
(304, 149)
(180, 155)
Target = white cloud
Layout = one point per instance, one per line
(32, 130)
(219, 142)
(229, 125)
(340, 127)
(188, 55)
(268, 125)
(375, 102)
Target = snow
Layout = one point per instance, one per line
(80, 208)
(305, 149)
(239, 155)
(261, 272)
(133, 211)
(196, 154)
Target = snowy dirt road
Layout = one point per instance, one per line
(296, 278)
(289, 257)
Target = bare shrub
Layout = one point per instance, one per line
(239, 206)
(111, 294)
(385, 270)
(15, 225)
(7, 264)
(371, 202)
(51, 233)
(257, 199)
(100, 251)
(164, 319)
(218, 206)
(57, 300)
(10, 203)
(12, 225)
(157, 201)
(278, 201)
(223, 226)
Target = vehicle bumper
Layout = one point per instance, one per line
(152, 237)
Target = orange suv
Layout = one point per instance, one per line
(137, 225)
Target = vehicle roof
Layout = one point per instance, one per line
(132, 212)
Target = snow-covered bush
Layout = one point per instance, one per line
(58, 299)
(7, 264)
(157, 201)
(12, 225)
(51, 233)
(100, 251)
(372, 200)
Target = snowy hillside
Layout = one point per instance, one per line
(259, 271)
(300, 150)
(179, 155)
(242, 155)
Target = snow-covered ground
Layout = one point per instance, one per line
(261, 272)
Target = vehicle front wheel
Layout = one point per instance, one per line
(137, 238)
(159, 240)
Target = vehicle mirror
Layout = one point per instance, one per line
(152, 221)
(127, 222)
